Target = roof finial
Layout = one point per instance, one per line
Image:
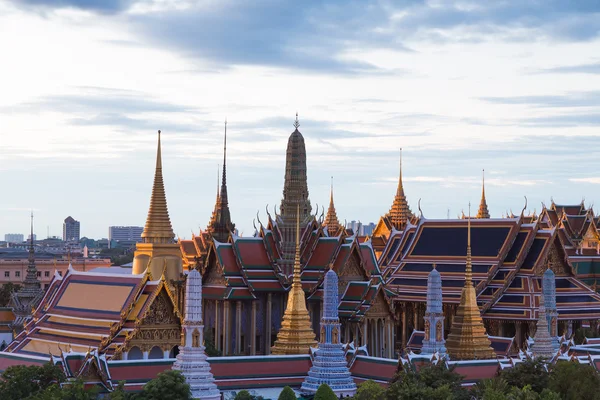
(331, 192)
(296, 123)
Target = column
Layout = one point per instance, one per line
(217, 331)
(501, 328)
(238, 328)
(124, 355)
(356, 339)
(404, 327)
(226, 308)
(166, 354)
(145, 355)
(377, 341)
(390, 341)
(253, 330)
(268, 327)
(365, 336)
(518, 333)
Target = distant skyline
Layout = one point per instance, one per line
(511, 87)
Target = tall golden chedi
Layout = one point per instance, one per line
(296, 335)
(158, 251)
(468, 339)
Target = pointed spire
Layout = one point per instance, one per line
(331, 220)
(296, 335)
(468, 339)
(220, 224)
(296, 122)
(158, 227)
(483, 208)
(399, 212)
(31, 279)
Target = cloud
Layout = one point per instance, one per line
(595, 180)
(591, 68)
(573, 99)
(100, 6)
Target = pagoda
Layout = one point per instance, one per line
(296, 335)
(468, 339)
(295, 196)
(192, 360)
(331, 220)
(483, 211)
(24, 302)
(400, 211)
(434, 316)
(220, 225)
(158, 250)
(329, 365)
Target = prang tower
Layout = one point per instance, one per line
(295, 196)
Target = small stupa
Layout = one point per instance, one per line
(542, 342)
(329, 364)
(191, 360)
(434, 316)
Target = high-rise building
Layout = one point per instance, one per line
(14, 237)
(131, 234)
(71, 230)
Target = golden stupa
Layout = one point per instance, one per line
(468, 339)
(158, 251)
(296, 335)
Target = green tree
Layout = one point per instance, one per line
(243, 395)
(491, 389)
(429, 380)
(168, 385)
(20, 381)
(287, 394)
(324, 392)
(527, 373)
(574, 381)
(72, 391)
(369, 390)
(119, 392)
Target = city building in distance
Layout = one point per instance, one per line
(125, 236)
(14, 238)
(71, 232)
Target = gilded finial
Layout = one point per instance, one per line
(434, 266)
(296, 122)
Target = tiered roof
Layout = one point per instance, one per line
(89, 311)
(509, 255)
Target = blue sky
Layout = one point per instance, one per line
(509, 86)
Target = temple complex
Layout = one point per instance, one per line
(468, 339)
(330, 365)
(191, 360)
(24, 302)
(158, 251)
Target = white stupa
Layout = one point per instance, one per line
(191, 360)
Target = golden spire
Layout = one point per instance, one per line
(331, 220)
(296, 335)
(399, 212)
(158, 227)
(483, 208)
(468, 339)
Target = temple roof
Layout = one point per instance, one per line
(508, 256)
(87, 310)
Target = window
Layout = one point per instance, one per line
(46, 274)
(7, 274)
(39, 274)
(17, 274)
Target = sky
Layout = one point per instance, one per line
(512, 87)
